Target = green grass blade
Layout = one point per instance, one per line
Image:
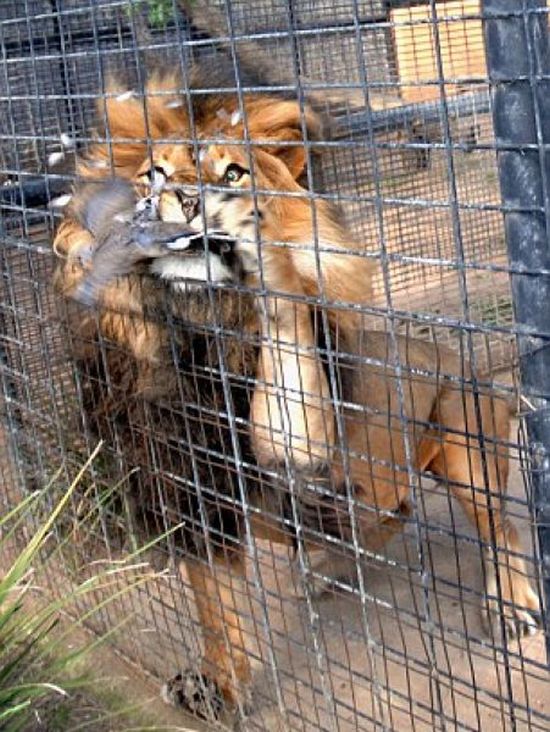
(22, 562)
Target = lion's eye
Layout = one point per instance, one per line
(233, 173)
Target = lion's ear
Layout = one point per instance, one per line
(282, 124)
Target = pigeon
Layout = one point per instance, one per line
(129, 233)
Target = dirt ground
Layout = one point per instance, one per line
(367, 663)
(406, 653)
(384, 668)
(118, 700)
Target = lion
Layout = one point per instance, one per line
(246, 366)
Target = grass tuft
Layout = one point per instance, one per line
(39, 668)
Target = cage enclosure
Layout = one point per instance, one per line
(289, 261)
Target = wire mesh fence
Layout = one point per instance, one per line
(262, 252)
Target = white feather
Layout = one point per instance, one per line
(125, 96)
(55, 158)
(67, 141)
(158, 180)
(60, 201)
(235, 118)
(99, 164)
(147, 202)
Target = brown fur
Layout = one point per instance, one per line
(291, 409)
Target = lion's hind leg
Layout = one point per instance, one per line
(473, 460)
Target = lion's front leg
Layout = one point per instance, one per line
(291, 414)
(224, 672)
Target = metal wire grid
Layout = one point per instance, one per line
(73, 74)
(408, 653)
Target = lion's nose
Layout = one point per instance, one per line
(190, 205)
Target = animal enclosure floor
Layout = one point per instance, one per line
(381, 668)
(345, 663)
(342, 663)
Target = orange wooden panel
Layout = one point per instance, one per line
(461, 47)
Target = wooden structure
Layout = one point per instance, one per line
(457, 33)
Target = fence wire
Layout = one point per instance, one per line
(280, 293)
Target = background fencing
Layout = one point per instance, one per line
(413, 162)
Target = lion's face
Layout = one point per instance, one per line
(218, 174)
(229, 189)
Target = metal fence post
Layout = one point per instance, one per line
(518, 64)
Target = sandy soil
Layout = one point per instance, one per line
(406, 653)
